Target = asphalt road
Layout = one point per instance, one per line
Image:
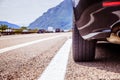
(37, 57)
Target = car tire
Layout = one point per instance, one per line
(83, 50)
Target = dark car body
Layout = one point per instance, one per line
(41, 31)
(96, 16)
(0, 34)
(94, 20)
(57, 30)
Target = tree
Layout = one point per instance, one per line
(23, 28)
(3, 27)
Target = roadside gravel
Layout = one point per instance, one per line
(29, 62)
(105, 67)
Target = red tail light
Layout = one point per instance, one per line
(107, 4)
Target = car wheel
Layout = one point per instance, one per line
(83, 50)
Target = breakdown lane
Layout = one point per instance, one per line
(57, 67)
(19, 39)
(27, 63)
(25, 44)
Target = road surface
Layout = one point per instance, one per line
(49, 57)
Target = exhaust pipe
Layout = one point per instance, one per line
(115, 34)
(118, 33)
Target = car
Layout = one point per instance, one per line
(94, 20)
(50, 29)
(0, 34)
(57, 30)
(41, 31)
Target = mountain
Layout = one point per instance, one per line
(10, 25)
(56, 17)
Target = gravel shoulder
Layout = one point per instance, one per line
(29, 62)
(105, 67)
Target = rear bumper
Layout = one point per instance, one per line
(96, 21)
(103, 36)
(97, 35)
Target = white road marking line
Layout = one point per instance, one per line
(26, 44)
(56, 70)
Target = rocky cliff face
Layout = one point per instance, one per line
(57, 17)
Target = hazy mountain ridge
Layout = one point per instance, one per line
(10, 25)
(57, 17)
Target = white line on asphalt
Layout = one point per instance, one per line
(57, 68)
(26, 44)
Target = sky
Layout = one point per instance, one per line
(23, 12)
